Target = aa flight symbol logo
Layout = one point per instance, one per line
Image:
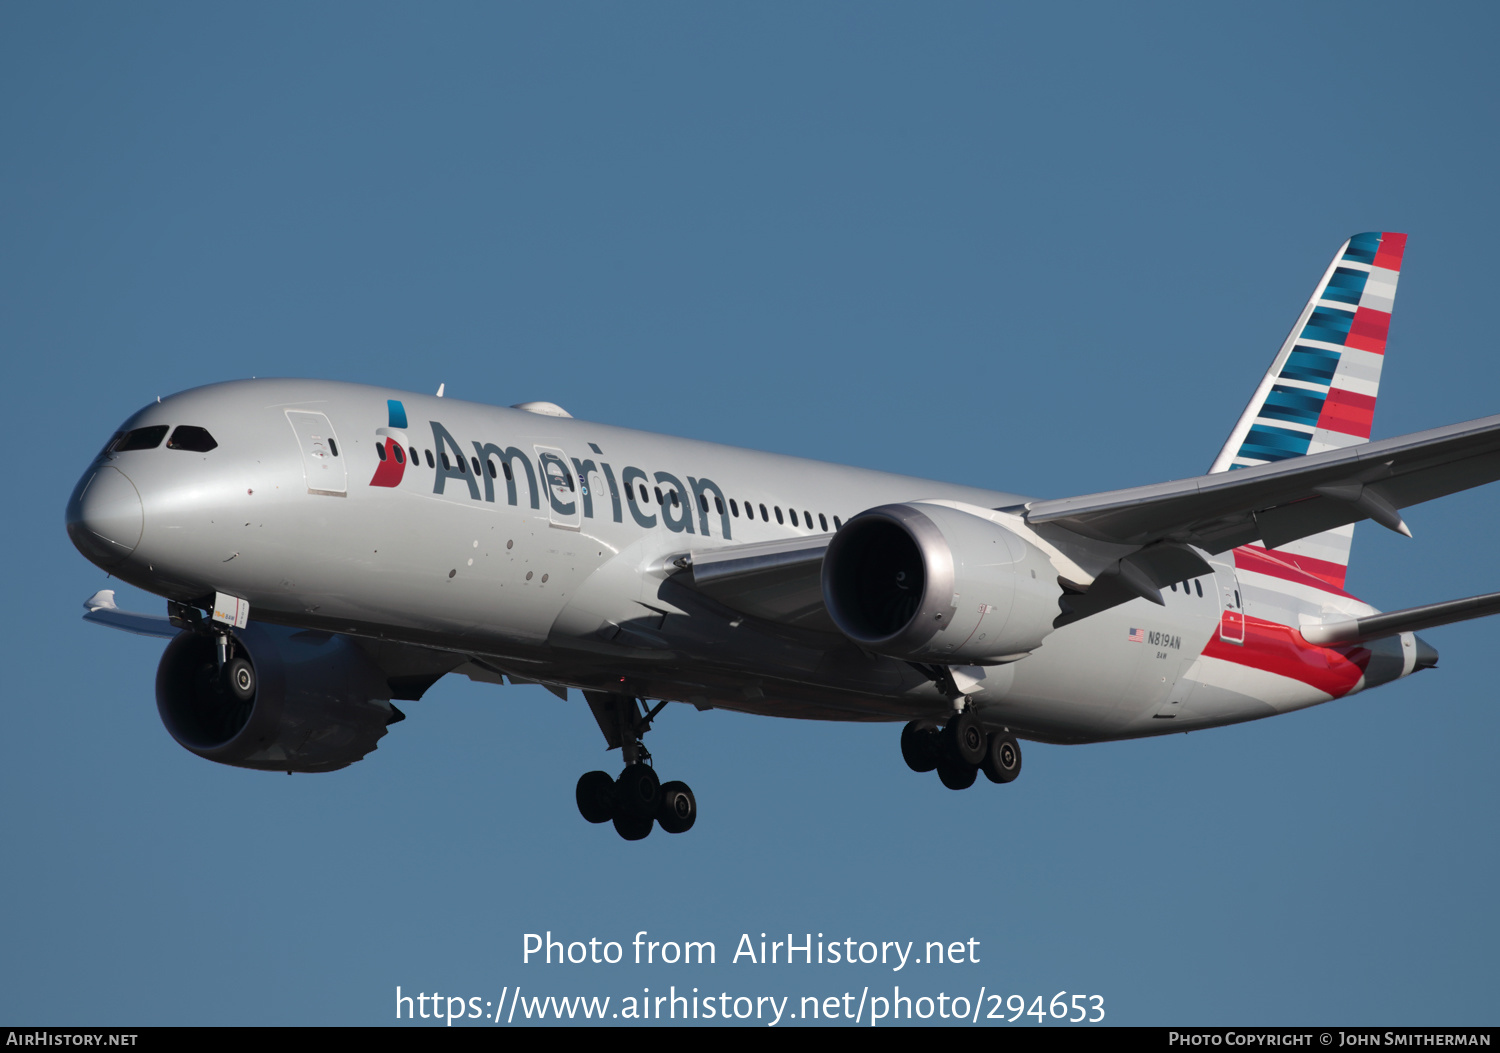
(392, 452)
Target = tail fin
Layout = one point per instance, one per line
(1319, 393)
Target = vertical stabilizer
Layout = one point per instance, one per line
(1319, 393)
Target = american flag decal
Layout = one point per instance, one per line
(1137, 635)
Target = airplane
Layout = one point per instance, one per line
(329, 549)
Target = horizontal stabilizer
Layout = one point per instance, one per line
(101, 610)
(1282, 501)
(1358, 630)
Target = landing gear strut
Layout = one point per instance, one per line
(961, 750)
(637, 799)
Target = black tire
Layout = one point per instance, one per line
(1002, 761)
(596, 796)
(965, 739)
(632, 827)
(956, 775)
(239, 680)
(920, 746)
(678, 810)
(637, 792)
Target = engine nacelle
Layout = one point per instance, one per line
(929, 583)
(313, 701)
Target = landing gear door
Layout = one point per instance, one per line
(321, 463)
(564, 503)
(1232, 620)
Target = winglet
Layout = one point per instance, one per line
(101, 609)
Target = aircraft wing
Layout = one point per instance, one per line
(777, 581)
(1285, 500)
(101, 610)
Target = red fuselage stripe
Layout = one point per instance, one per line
(1280, 649)
(1305, 570)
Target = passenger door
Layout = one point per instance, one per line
(564, 503)
(321, 463)
(1232, 620)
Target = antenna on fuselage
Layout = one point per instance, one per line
(440, 390)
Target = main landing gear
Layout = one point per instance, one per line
(960, 751)
(636, 800)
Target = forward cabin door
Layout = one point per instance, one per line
(321, 461)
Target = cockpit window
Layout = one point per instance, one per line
(192, 438)
(141, 439)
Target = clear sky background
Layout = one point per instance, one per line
(1047, 252)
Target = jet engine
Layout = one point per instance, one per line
(285, 700)
(931, 583)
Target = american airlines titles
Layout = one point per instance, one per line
(676, 500)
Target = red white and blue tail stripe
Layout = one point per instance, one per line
(1320, 391)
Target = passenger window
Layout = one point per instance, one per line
(429, 460)
(333, 445)
(836, 524)
(198, 440)
(1199, 586)
(778, 515)
(703, 503)
(400, 456)
(823, 522)
(490, 466)
(475, 462)
(1174, 586)
(644, 499)
(142, 438)
(675, 501)
(447, 464)
(380, 450)
(793, 513)
(763, 514)
(719, 505)
(734, 508)
(807, 518)
(505, 467)
(659, 499)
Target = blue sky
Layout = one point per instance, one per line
(1045, 251)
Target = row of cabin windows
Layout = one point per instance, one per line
(1187, 591)
(188, 437)
(417, 455)
(670, 496)
(734, 509)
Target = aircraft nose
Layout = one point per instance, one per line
(105, 517)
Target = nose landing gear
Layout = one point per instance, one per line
(637, 799)
(960, 751)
